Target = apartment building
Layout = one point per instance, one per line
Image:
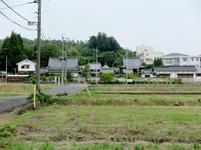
(147, 54)
(177, 59)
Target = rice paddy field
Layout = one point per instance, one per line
(117, 117)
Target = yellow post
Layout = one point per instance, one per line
(87, 90)
(34, 99)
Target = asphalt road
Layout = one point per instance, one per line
(69, 89)
(7, 104)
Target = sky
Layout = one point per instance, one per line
(167, 25)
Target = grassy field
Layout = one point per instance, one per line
(15, 89)
(111, 121)
(139, 95)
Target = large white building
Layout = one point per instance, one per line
(147, 54)
(177, 59)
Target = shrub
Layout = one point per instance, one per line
(32, 79)
(43, 78)
(43, 98)
(131, 76)
(69, 77)
(7, 131)
(177, 81)
(107, 78)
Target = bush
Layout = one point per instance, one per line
(32, 79)
(107, 78)
(69, 77)
(43, 98)
(177, 81)
(7, 131)
(43, 78)
(131, 76)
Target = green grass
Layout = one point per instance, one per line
(112, 121)
(171, 122)
(16, 89)
(102, 95)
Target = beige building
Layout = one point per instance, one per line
(147, 54)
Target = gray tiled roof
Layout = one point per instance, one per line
(175, 55)
(55, 64)
(176, 69)
(132, 63)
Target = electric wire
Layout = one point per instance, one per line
(15, 11)
(19, 5)
(16, 22)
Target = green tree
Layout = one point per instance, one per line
(103, 43)
(13, 48)
(107, 58)
(86, 72)
(158, 62)
(48, 50)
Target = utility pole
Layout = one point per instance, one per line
(126, 66)
(62, 59)
(6, 69)
(97, 65)
(38, 47)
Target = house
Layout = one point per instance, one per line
(131, 65)
(147, 54)
(176, 71)
(55, 65)
(26, 66)
(107, 69)
(148, 73)
(178, 59)
(95, 68)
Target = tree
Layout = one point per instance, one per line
(103, 43)
(92, 42)
(158, 62)
(13, 48)
(48, 50)
(107, 58)
(86, 72)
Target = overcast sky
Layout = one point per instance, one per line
(168, 25)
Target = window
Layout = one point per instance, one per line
(184, 59)
(25, 67)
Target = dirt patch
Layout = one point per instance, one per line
(25, 129)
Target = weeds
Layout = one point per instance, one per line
(7, 131)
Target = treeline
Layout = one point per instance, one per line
(17, 48)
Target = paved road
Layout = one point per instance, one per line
(9, 103)
(69, 89)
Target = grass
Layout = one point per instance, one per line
(59, 123)
(16, 89)
(112, 121)
(102, 95)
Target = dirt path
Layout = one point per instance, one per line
(9, 103)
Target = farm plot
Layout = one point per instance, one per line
(111, 121)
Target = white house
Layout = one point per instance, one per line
(177, 59)
(26, 66)
(147, 54)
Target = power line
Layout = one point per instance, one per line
(3, 8)
(15, 11)
(16, 22)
